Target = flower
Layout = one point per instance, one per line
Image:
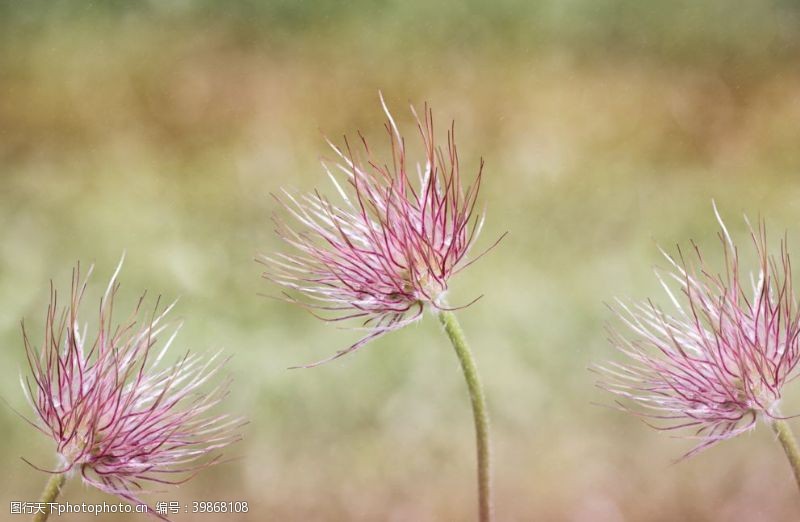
(718, 363)
(390, 246)
(117, 416)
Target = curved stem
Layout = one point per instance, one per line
(787, 440)
(479, 411)
(49, 495)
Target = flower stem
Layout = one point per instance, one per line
(785, 436)
(50, 494)
(479, 411)
(787, 440)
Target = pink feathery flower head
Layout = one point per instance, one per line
(119, 417)
(388, 247)
(718, 362)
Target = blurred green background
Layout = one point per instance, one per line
(607, 126)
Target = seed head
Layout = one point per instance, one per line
(388, 247)
(719, 361)
(118, 416)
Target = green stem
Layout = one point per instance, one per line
(787, 440)
(479, 412)
(50, 494)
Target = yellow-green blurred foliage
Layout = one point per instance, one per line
(161, 128)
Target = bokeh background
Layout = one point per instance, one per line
(161, 128)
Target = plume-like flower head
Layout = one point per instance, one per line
(389, 246)
(117, 415)
(718, 363)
